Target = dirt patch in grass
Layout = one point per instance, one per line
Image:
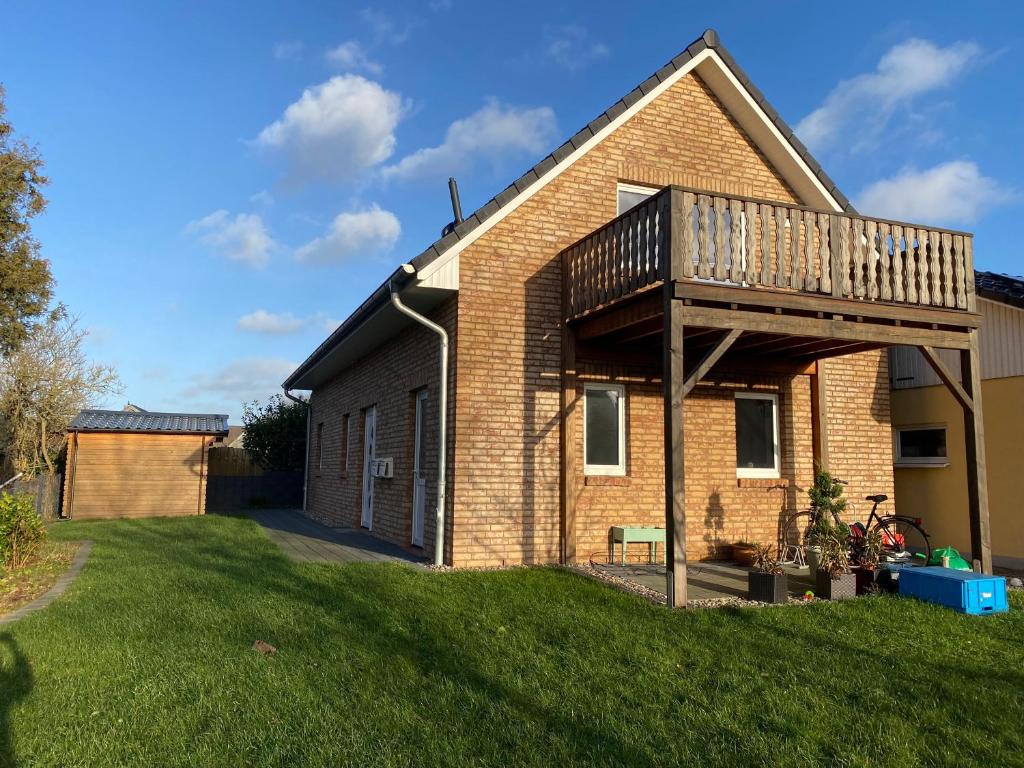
(26, 584)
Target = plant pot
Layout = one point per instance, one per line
(767, 587)
(812, 559)
(867, 580)
(841, 588)
(743, 554)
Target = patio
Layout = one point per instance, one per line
(713, 580)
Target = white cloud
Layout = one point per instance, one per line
(440, 5)
(857, 110)
(335, 130)
(953, 192)
(288, 50)
(243, 237)
(262, 198)
(285, 323)
(353, 235)
(262, 321)
(384, 28)
(243, 380)
(350, 56)
(491, 132)
(572, 47)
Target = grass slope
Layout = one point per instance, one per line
(147, 660)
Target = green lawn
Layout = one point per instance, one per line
(146, 661)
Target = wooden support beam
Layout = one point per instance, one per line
(974, 441)
(947, 377)
(708, 361)
(568, 446)
(672, 384)
(796, 301)
(819, 415)
(759, 322)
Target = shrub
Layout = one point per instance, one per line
(21, 530)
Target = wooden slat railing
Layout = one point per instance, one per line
(763, 244)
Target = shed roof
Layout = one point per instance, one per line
(147, 422)
(1005, 288)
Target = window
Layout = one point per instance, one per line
(757, 435)
(631, 194)
(920, 446)
(604, 430)
(319, 446)
(344, 444)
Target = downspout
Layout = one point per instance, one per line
(442, 427)
(305, 465)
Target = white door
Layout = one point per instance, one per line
(369, 452)
(419, 479)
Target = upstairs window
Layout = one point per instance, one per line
(757, 435)
(631, 195)
(920, 446)
(604, 430)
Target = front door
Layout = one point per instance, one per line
(419, 479)
(369, 452)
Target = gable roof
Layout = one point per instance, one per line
(708, 41)
(1003, 288)
(167, 423)
(507, 199)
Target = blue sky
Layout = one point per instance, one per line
(230, 179)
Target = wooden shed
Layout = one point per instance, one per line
(124, 464)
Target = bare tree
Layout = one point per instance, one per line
(44, 383)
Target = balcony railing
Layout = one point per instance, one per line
(769, 245)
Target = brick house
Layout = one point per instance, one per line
(677, 291)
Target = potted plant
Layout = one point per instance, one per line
(743, 553)
(834, 579)
(867, 553)
(767, 583)
(827, 504)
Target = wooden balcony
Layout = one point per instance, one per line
(771, 253)
(690, 283)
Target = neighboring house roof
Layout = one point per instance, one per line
(1005, 288)
(173, 423)
(132, 408)
(234, 437)
(507, 199)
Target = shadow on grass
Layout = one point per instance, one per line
(15, 684)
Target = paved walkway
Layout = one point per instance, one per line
(705, 580)
(56, 590)
(307, 541)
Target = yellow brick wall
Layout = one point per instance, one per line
(720, 508)
(507, 418)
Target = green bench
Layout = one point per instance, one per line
(641, 534)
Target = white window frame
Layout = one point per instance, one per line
(638, 189)
(764, 472)
(606, 470)
(899, 460)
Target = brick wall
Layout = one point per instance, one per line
(720, 508)
(860, 427)
(507, 455)
(388, 379)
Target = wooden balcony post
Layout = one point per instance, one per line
(673, 381)
(819, 415)
(974, 441)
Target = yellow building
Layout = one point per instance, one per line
(928, 430)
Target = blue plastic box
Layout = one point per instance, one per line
(963, 591)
